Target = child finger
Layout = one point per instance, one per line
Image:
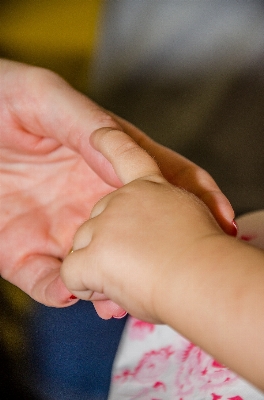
(128, 159)
(80, 274)
(100, 206)
(83, 236)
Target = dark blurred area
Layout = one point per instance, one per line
(188, 73)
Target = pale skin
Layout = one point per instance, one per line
(158, 252)
(51, 176)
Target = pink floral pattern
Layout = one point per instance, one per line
(200, 371)
(139, 329)
(217, 397)
(247, 238)
(149, 369)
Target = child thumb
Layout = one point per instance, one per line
(128, 159)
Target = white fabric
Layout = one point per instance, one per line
(156, 363)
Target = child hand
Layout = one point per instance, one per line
(156, 250)
(137, 235)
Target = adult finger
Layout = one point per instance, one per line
(128, 159)
(45, 106)
(182, 172)
(39, 277)
(45, 112)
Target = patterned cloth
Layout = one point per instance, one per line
(156, 363)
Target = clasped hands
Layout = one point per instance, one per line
(52, 175)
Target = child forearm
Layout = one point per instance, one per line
(218, 303)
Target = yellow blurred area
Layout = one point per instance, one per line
(55, 34)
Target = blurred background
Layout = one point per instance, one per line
(59, 35)
(188, 73)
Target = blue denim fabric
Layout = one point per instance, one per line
(71, 352)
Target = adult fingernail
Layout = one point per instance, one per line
(233, 231)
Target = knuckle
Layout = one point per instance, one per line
(81, 237)
(127, 148)
(108, 121)
(45, 77)
(97, 208)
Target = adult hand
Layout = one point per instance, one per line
(51, 176)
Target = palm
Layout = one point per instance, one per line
(44, 198)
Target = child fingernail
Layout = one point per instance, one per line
(120, 315)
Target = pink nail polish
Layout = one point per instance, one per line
(120, 316)
(233, 231)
